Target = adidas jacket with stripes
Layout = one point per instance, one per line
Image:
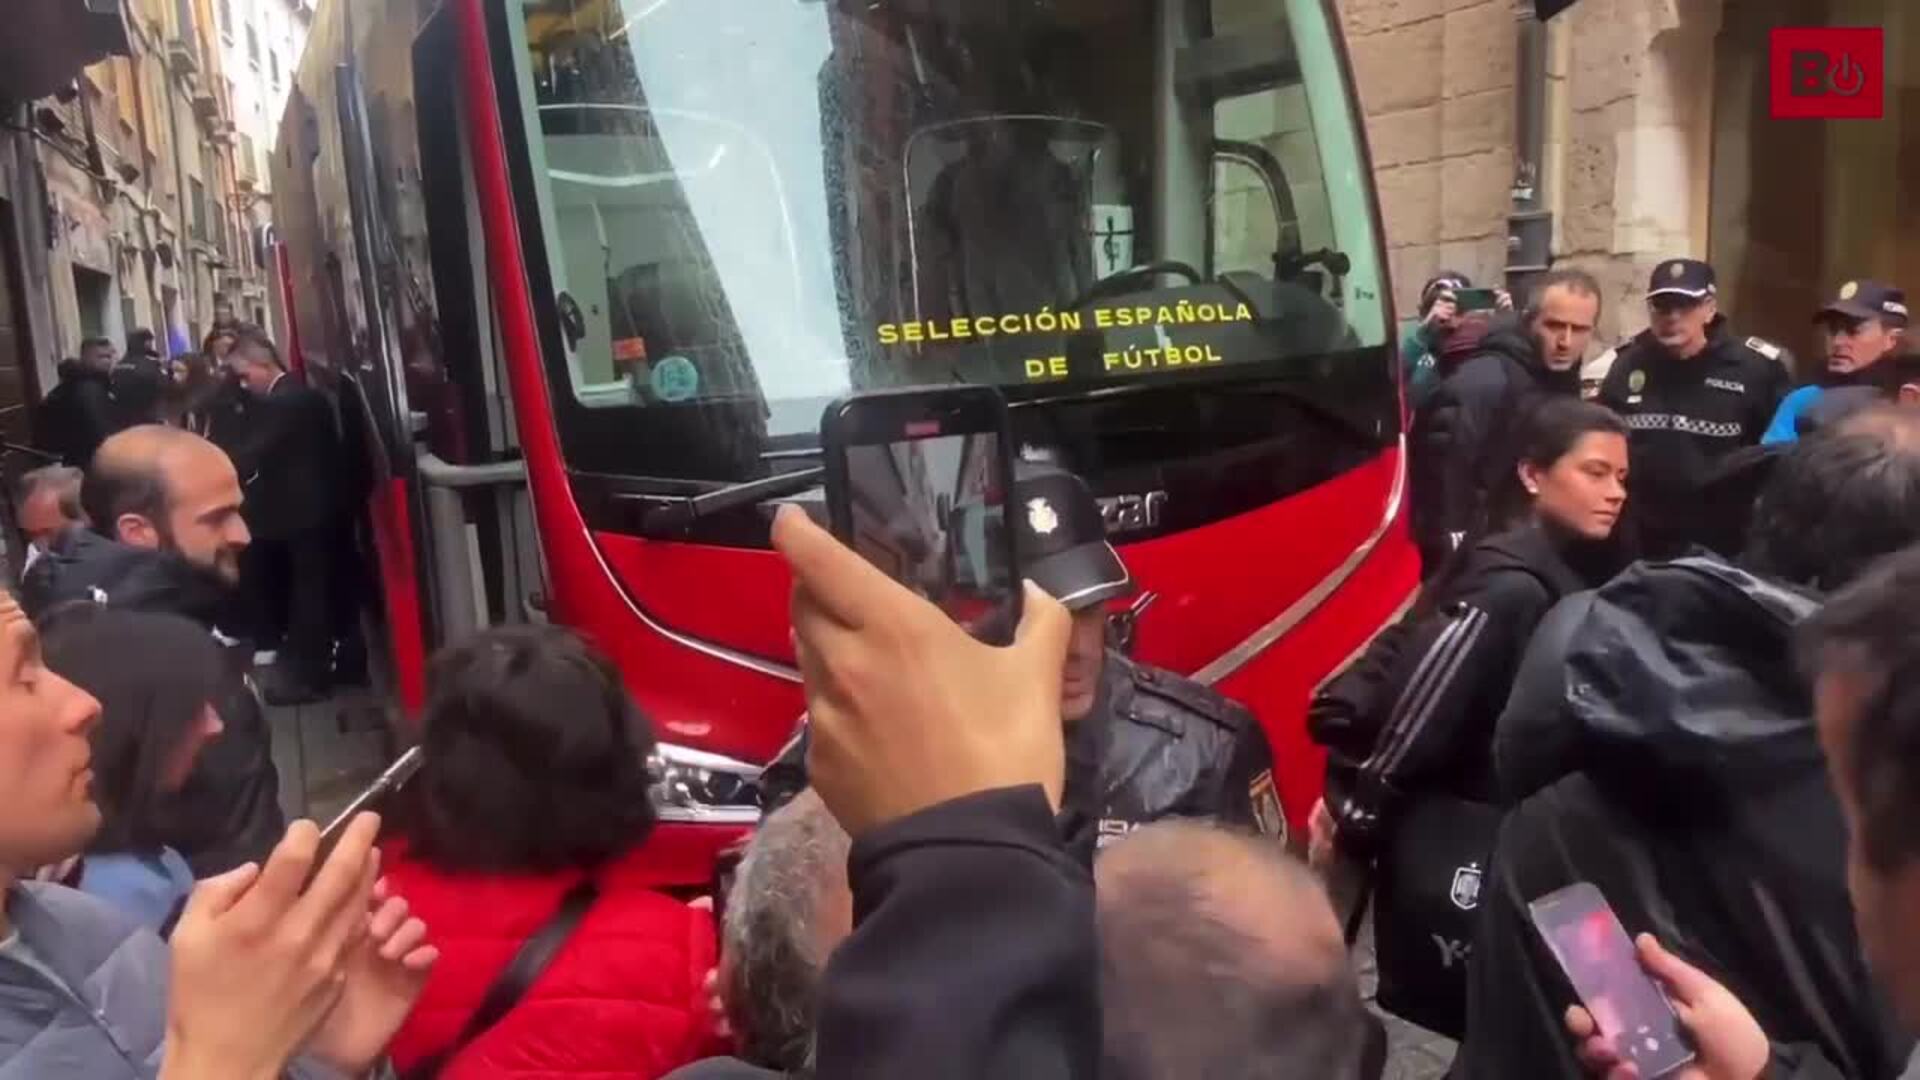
(1453, 663)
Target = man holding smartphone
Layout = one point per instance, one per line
(1143, 743)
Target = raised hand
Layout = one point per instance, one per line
(257, 963)
(908, 710)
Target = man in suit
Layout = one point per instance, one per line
(292, 501)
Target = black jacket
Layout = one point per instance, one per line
(139, 387)
(1663, 747)
(1685, 416)
(1462, 437)
(973, 953)
(229, 811)
(1417, 714)
(77, 415)
(287, 460)
(1155, 746)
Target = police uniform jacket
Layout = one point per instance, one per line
(1156, 745)
(1684, 417)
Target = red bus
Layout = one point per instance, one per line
(622, 252)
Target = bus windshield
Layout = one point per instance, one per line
(749, 208)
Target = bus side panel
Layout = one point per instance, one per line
(1281, 681)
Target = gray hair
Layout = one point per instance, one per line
(62, 480)
(770, 934)
(1220, 957)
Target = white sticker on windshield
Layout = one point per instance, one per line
(1112, 239)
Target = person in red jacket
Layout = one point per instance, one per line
(534, 781)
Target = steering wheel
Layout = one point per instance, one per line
(1127, 280)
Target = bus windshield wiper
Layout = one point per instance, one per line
(683, 511)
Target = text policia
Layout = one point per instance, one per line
(1161, 356)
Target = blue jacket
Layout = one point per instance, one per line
(109, 1021)
(152, 887)
(1786, 422)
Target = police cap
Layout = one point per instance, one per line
(1867, 300)
(1690, 278)
(1061, 539)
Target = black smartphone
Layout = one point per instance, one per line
(1593, 949)
(1466, 300)
(393, 779)
(917, 482)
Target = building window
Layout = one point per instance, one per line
(226, 18)
(199, 208)
(253, 48)
(273, 67)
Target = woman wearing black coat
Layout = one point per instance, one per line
(1411, 794)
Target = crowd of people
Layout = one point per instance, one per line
(1661, 649)
(286, 440)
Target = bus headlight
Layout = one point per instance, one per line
(695, 786)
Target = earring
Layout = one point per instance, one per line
(1533, 489)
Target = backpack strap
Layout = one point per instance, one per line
(535, 956)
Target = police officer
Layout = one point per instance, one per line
(1691, 393)
(1864, 325)
(1142, 743)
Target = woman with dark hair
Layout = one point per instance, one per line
(1410, 781)
(156, 677)
(535, 798)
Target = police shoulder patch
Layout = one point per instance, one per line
(1764, 347)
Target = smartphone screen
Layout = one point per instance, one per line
(1593, 949)
(917, 483)
(1475, 299)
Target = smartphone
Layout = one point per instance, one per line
(1593, 949)
(917, 482)
(1466, 300)
(393, 779)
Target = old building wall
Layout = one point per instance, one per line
(1436, 82)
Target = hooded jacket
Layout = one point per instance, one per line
(1663, 749)
(1462, 434)
(229, 811)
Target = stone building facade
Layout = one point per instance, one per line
(127, 199)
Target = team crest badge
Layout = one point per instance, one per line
(1637, 381)
(1041, 517)
(1265, 798)
(1465, 893)
(1850, 290)
(1675, 270)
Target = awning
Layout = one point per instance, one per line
(48, 42)
(1547, 9)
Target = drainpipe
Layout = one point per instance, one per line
(1530, 223)
(183, 220)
